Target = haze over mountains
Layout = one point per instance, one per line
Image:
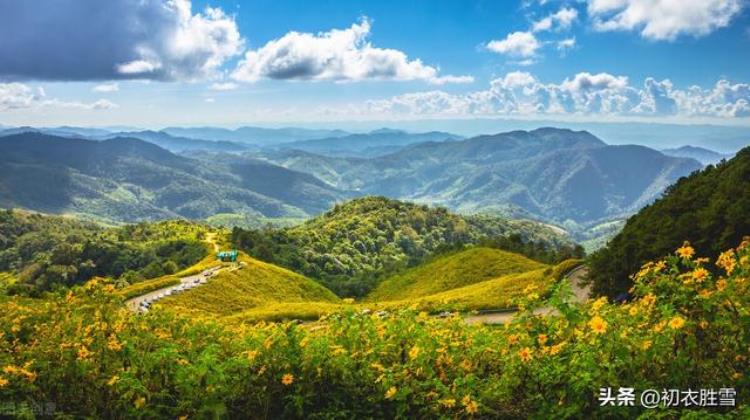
(565, 177)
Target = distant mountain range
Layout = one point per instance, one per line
(178, 144)
(254, 135)
(550, 174)
(700, 154)
(570, 178)
(375, 143)
(126, 179)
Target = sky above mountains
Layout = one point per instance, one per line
(154, 63)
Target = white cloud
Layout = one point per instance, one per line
(115, 39)
(224, 86)
(518, 44)
(520, 93)
(107, 87)
(566, 44)
(663, 19)
(337, 55)
(15, 96)
(563, 19)
(209, 100)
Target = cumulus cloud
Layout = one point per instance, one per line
(521, 93)
(663, 19)
(562, 19)
(517, 44)
(117, 39)
(337, 55)
(107, 87)
(15, 96)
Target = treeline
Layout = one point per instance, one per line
(710, 208)
(350, 248)
(50, 252)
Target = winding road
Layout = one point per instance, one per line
(581, 293)
(188, 282)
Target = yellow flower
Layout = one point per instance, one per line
(113, 344)
(721, 284)
(113, 380)
(448, 402)
(598, 325)
(646, 345)
(686, 251)
(542, 339)
(633, 311)
(648, 300)
(677, 322)
(251, 354)
(83, 353)
(287, 379)
(513, 338)
(599, 303)
(703, 324)
(553, 350)
(377, 366)
(3, 382)
(414, 352)
(727, 261)
(700, 274)
(525, 354)
(391, 392)
(472, 407)
(704, 293)
(140, 402)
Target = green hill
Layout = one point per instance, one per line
(452, 271)
(710, 208)
(357, 243)
(255, 285)
(48, 252)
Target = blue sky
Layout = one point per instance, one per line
(157, 62)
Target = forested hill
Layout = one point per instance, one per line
(708, 208)
(353, 245)
(125, 179)
(43, 253)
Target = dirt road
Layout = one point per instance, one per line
(580, 294)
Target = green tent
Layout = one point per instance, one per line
(227, 256)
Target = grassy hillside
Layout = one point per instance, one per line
(257, 284)
(710, 208)
(452, 271)
(355, 244)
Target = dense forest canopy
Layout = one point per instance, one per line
(709, 208)
(356, 243)
(50, 252)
